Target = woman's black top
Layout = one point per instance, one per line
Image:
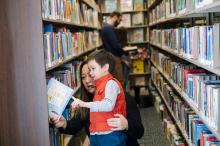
(135, 127)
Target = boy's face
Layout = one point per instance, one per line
(96, 71)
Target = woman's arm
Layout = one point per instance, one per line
(71, 126)
(132, 124)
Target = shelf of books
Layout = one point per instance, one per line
(70, 32)
(92, 4)
(134, 14)
(185, 56)
(192, 94)
(173, 113)
(181, 10)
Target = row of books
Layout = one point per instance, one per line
(67, 74)
(59, 104)
(134, 19)
(197, 132)
(138, 35)
(171, 8)
(122, 5)
(200, 87)
(61, 44)
(199, 42)
(57, 138)
(70, 11)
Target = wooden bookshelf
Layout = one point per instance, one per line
(137, 43)
(124, 12)
(71, 58)
(187, 100)
(154, 4)
(139, 74)
(72, 24)
(23, 99)
(137, 26)
(183, 132)
(200, 12)
(193, 61)
(92, 4)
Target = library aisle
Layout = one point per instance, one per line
(154, 134)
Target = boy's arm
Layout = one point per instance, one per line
(107, 104)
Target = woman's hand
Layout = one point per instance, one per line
(118, 123)
(59, 122)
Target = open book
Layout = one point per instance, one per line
(58, 97)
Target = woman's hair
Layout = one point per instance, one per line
(85, 96)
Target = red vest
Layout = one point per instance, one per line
(98, 120)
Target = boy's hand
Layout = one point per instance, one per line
(77, 103)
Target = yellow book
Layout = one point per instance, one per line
(138, 66)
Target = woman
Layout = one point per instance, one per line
(133, 126)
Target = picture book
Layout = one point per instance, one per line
(58, 96)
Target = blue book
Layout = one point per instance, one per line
(58, 96)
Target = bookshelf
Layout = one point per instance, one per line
(183, 132)
(164, 23)
(131, 15)
(23, 102)
(70, 33)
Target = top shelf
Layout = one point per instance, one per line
(123, 12)
(199, 12)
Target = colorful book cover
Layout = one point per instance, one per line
(58, 96)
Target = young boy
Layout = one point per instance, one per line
(108, 100)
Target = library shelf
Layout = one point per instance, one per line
(71, 58)
(140, 74)
(183, 132)
(124, 12)
(92, 5)
(72, 24)
(154, 4)
(136, 26)
(137, 43)
(187, 100)
(199, 12)
(215, 70)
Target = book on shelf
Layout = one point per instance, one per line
(136, 35)
(138, 5)
(138, 19)
(137, 66)
(109, 6)
(126, 21)
(58, 96)
(126, 5)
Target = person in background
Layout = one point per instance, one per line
(132, 125)
(125, 60)
(112, 44)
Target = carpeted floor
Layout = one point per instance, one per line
(154, 134)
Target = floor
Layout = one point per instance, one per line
(153, 134)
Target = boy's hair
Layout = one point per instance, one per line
(115, 13)
(103, 57)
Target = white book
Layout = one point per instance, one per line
(216, 45)
(138, 18)
(126, 5)
(58, 96)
